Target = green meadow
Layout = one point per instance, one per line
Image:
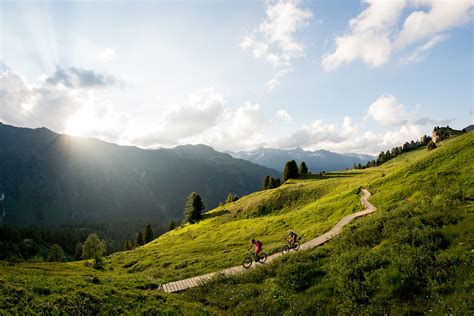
(414, 255)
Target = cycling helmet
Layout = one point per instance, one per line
(253, 241)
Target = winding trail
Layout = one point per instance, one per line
(184, 284)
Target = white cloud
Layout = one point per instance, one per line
(423, 50)
(248, 119)
(349, 138)
(242, 128)
(368, 38)
(386, 111)
(70, 105)
(274, 39)
(207, 119)
(373, 35)
(108, 55)
(399, 125)
(442, 16)
(75, 78)
(203, 111)
(309, 135)
(284, 116)
(65, 101)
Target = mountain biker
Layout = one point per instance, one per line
(258, 246)
(292, 237)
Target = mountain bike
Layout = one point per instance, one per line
(286, 248)
(247, 263)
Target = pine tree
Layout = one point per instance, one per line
(274, 183)
(148, 234)
(56, 253)
(93, 247)
(127, 245)
(303, 169)
(290, 171)
(139, 239)
(231, 198)
(277, 182)
(266, 182)
(172, 226)
(78, 252)
(193, 208)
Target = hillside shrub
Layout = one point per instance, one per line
(99, 263)
(432, 145)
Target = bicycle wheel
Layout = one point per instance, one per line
(247, 262)
(296, 246)
(285, 249)
(262, 257)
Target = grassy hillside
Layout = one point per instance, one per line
(415, 255)
(424, 227)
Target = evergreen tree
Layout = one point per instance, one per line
(274, 182)
(395, 151)
(193, 208)
(303, 169)
(139, 239)
(266, 182)
(127, 245)
(359, 166)
(354, 166)
(78, 252)
(148, 234)
(172, 226)
(278, 182)
(290, 171)
(56, 253)
(93, 247)
(231, 198)
(381, 158)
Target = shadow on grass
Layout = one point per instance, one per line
(346, 174)
(214, 214)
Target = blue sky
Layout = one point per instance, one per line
(347, 76)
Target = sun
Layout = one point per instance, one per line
(82, 123)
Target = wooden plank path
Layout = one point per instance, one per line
(181, 285)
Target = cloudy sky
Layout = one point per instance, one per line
(347, 76)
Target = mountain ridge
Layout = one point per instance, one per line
(51, 178)
(319, 160)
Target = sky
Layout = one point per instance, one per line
(346, 76)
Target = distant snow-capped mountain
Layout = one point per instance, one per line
(319, 160)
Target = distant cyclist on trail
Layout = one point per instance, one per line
(292, 238)
(258, 246)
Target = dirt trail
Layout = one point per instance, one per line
(180, 285)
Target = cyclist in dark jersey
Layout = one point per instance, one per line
(292, 237)
(257, 244)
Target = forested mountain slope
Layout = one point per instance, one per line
(49, 178)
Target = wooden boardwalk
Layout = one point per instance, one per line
(184, 284)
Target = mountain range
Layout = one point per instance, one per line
(50, 178)
(319, 160)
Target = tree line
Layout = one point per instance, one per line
(28, 242)
(290, 171)
(385, 156)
